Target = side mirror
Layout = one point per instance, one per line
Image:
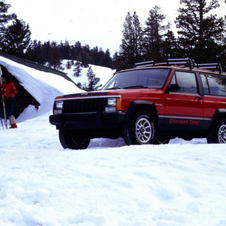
(173, 88)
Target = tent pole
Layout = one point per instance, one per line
(3, 101)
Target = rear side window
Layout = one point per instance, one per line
(205, 85)
(214, 85)
(186, 81)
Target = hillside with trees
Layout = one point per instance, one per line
(200, 36)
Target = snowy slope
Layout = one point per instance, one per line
(108, 184)
(103, 73)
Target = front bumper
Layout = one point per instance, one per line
(90, 120)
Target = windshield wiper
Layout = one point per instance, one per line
(112, 88)
(135, 87)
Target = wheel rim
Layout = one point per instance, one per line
(143, 130)
(222, 134)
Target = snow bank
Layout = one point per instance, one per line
(43, 86)
(42, 184)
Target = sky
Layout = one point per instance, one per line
(94, 22)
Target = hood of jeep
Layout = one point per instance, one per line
(134, 91)
(84, 94)
(122, 92)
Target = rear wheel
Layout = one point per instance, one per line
(218, 133)
(73, 139)
(141, 129)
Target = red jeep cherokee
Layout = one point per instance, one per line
(151, 103)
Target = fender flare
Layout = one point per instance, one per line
(145, 106)
(217, 115)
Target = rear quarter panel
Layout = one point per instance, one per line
(212, 103)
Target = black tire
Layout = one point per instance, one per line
(141, 129)
(217, 134)
(73, 140)
(161, 140)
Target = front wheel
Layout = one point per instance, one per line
(161, 140)
(218, 133)
(73, 140)
(141, 129)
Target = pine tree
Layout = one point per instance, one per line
(40, 54)
(132, 41)
(68, 64)
(35, 52)
(78, 68)
(92, 81)
(116, 61)
(45, 51)
(154, 35)
(4, 16)
(200, 33)
(16, 38)
(76, 50)
(107, 60)
(65, 50)
(170, 47)
(94, 56)
(84, 58)
(79, 85)
(54, 56)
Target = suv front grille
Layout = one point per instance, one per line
(84, 105)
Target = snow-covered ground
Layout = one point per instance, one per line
(108, 184)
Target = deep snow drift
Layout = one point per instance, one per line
(108, 184)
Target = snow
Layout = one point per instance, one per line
(103, 73)
(108, 184)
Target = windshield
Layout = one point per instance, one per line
(143, 78)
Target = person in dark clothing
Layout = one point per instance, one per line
(9, 92)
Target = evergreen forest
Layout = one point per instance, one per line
(200, 35)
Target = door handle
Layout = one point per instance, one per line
(198, 98)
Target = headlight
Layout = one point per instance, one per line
(59, 104)
(113, 104)
(58, 107)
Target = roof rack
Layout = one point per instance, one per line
(182, 61)
(178, 61)
(146, 63)
(209, 65)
